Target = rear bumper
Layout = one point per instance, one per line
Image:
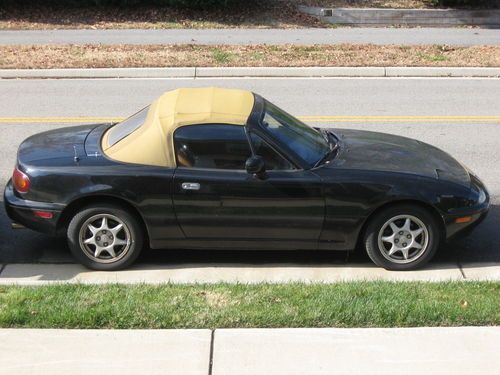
(22, 211)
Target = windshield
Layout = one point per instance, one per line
(307, 142)
(126, 127)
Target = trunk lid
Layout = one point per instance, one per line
(59, 146)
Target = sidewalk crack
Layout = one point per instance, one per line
(211, 358)
(2, 268)
(459, 264)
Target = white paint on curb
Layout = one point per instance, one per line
(213, 72)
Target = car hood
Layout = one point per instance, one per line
(385, 152)
(60, 144)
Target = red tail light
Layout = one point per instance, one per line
(21, 181)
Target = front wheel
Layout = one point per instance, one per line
(402, 237)
(105, 237)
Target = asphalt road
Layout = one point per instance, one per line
(412, 36)
(474, 143)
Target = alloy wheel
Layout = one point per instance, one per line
(403, 239)
(105, 238)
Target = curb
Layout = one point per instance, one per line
(241, 72)
(406, 17)
(53, 273)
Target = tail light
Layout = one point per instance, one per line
(21, 181)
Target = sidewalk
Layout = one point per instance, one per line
(40, 274)
(412, 351)
(381, 36)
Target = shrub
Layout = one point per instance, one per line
(204, 4)
(467, 3)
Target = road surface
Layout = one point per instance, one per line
(412, 36)
(474, 139)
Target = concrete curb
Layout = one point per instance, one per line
(41, 274)
(235, 72)
(407, 17)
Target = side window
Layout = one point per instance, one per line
(274, 161)
(211, 146)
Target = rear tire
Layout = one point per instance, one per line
(403, 237)
(105, 237)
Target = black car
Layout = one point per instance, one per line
(215, 168)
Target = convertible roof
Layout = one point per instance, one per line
(152, 143)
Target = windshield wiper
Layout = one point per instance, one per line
(333, 143)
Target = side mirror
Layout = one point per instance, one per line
(255, 165)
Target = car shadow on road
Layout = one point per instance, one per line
(25, 246)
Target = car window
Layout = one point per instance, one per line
(308, 143)
(214, 146)
(128, 126)
(273, 160)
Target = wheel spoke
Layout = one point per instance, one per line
(389, 239)
(393, 250)
(416, 232)
(116, 229)
(405, 253)
(119, 241)
(416, 245)
(98, 251)
(111, 251)
(394, 227)
(104, 224)
(407, 224)
(92, 229)
(90, 241)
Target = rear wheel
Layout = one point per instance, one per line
(403, 237)
(105, 237)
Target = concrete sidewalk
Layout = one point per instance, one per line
(317, 351)
(40, 274)
(381, 36)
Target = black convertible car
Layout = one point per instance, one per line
(215, 168)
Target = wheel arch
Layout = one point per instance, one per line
(427, 206)
(76, 205)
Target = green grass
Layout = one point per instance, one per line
(356, 304)
(220, 56)
(433, 58)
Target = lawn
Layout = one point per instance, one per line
(112, 56)
(353, 304)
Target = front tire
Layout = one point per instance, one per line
(403, 237)
(105, 237)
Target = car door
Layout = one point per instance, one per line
(215, 199)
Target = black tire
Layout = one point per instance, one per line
(131, 233)
(397, 261)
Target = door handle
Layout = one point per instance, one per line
(190, 186)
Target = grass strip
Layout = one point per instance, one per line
(118, 56)
(349, 304)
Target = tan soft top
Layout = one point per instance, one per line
(152, 143)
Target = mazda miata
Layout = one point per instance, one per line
(212, 168)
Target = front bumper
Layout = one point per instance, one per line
(478, 213)
(22, 211)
